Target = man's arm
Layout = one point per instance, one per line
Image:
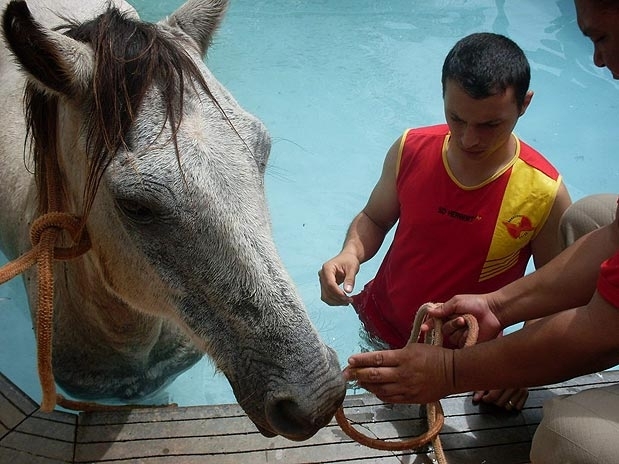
(365, 234)
(568, 281)
(562, 346)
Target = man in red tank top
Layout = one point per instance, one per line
(472, 202)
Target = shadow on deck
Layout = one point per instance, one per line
(223, 434)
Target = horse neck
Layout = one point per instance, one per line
(91, 313)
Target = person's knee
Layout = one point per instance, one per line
(585, 215)
(579, 429)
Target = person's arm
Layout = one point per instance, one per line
(566, 343)
(365, 234)
(570, 343)
(567, 281)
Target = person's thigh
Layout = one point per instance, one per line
(579, 429)
(585, 215)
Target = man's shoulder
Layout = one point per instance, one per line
(437, 129)
(537, 160)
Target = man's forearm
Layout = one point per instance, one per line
(364, 238)
(556, 348)
(568, 281)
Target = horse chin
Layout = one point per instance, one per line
(284, 418)
(293, 418)
(270, 434)
(266, 433)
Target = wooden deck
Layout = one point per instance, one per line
(222, 434)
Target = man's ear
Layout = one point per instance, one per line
(527, 101)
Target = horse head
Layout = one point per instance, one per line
(167, 172)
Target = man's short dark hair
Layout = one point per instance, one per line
(486, 64)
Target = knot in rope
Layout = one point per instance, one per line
(61, 221)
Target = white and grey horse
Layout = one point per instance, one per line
(167, 171)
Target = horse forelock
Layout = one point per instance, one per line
(130, 57)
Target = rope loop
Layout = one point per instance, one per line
(435, 416)
(62, 221)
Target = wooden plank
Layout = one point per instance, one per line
(223, 434)
(159, 442)
(45, 436)
(10, 456)
(39, 446)
(32, 437)
(56, 425)
(15, 405)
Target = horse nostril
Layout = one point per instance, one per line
(288, 418)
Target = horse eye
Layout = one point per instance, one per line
(136, 211)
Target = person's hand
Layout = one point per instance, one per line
(512, 399)
(339, 270)
(418, 373)
(455, 328)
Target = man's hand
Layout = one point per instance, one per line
(417, 373)
(512, 399)
(455, 328)
(339, 270)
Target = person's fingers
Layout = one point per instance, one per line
(441, 311)
(478, 395)
(374, 359)
(512, 399)
(502, 398)
(454, 325)
(330, 292)
(349, 282)
(520, 398)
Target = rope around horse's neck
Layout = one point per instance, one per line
(435, 416)
(44, 234)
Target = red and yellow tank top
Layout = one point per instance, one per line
(452, 239)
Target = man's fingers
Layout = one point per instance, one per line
(374, 359)
(440, 311)
(510, 399)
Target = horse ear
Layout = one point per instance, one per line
(54, 61)
(199, 19)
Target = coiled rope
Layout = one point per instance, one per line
(435, 416)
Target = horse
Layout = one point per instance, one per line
(166, 172)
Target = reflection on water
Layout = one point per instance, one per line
(336, 83)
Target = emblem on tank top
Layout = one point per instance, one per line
(518, 226)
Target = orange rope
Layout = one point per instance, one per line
(44, 234)
(91, 407)
(435, 416)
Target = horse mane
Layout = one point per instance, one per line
(130, 56)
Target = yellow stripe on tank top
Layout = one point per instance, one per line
(523, 212)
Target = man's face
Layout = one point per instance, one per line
(601, 25)
(480, 128)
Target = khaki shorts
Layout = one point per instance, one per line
(581, 429)
(587, 214)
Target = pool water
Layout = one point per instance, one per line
(336, 82)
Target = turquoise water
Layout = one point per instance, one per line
(336, 82)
